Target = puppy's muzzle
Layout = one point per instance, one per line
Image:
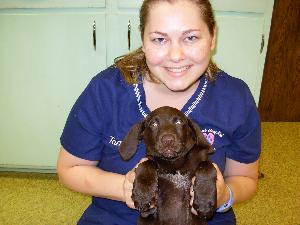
(168, 140)
(168, 145)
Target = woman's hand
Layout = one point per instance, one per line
(127, 188)
(128, 185)
(222, 190)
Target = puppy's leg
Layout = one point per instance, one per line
(150, 220)
(205, 191)
(145, 188)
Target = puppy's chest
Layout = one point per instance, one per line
(175, 181)
(174, 197)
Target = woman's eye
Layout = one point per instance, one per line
(191, 38)
(159, 40)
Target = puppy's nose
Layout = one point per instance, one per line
(167, 139)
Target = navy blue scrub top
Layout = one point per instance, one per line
(108, 107)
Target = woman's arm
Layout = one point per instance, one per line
(240, 177)
(83, 176)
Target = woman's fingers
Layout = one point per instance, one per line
(127, 188)
(192, 196)
(128, 184)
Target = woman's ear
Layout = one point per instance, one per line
(214, 39)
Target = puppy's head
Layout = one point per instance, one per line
(167, 134)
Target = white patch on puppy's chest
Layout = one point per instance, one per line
(181, 181)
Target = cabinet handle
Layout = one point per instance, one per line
(128, 34)
(262, 44)
(94, 35)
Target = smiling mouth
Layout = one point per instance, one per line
(178, 69)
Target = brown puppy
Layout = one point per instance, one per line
(177, 152)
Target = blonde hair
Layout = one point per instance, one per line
(133, 64)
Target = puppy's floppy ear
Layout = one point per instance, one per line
(199, 137)
(129, 145)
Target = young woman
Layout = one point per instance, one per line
(174, 68)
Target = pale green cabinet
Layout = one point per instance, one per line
(243, 32)
(123, 22)
(124, 35)
(47, 57)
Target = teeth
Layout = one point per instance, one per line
(177, 69)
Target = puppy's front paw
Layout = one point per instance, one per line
(146, 207)
(145, 188)
(205, 191)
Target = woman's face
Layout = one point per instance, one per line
(177, 44)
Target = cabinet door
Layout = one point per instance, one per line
(124, 34)
(47, 58)
(243, 31)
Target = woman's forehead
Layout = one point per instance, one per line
(182, 15)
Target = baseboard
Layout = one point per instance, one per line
(26, 168)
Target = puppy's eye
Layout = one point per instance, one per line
(154, 124)
(178, 122)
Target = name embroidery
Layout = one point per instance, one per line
(210, 134)
(113, 141)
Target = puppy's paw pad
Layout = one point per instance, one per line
(204, 210)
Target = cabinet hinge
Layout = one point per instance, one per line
(262, 44)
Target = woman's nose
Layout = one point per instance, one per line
(176, 52)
